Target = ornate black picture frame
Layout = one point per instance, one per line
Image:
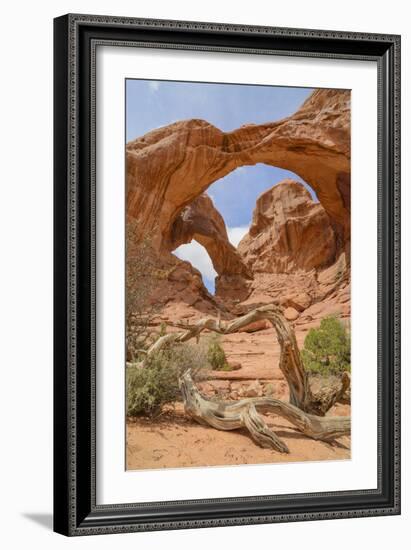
(75, 42)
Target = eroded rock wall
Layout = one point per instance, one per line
(170, 167)
(289, 232)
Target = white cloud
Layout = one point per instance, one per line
(235, 234)
(154, 85)
(198, 256)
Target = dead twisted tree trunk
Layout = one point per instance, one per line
(226, 415)
(306, 409)
(291, 365)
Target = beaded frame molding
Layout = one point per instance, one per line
(76, 38)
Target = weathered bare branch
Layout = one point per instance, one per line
(290, 364)
(226, 415)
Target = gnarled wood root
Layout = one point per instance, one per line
(290, 364)
(325, 398)
(226, 415)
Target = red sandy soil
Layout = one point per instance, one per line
(173, 440)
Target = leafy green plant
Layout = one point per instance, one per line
(156, 384)
(216, 355)
(327, 350)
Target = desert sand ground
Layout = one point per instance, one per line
(173, 440)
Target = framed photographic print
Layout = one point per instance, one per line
(227, 280)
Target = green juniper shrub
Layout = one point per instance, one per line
(216, 355)
(156, 384)
(327, 349)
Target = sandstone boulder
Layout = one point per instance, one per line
(291, 314)
(299, 301)
(255, 389)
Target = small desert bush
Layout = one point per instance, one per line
(216, 355)
(156, 384)
(140, 286)
(327, 350)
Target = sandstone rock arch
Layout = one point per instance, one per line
(168, 168)
(201, 221)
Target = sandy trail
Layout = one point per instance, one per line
(175, 441)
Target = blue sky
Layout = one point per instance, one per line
(151, 104)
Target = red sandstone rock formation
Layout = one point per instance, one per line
(289, 232)
(169, 169)
(201, 221)
(292, 250)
